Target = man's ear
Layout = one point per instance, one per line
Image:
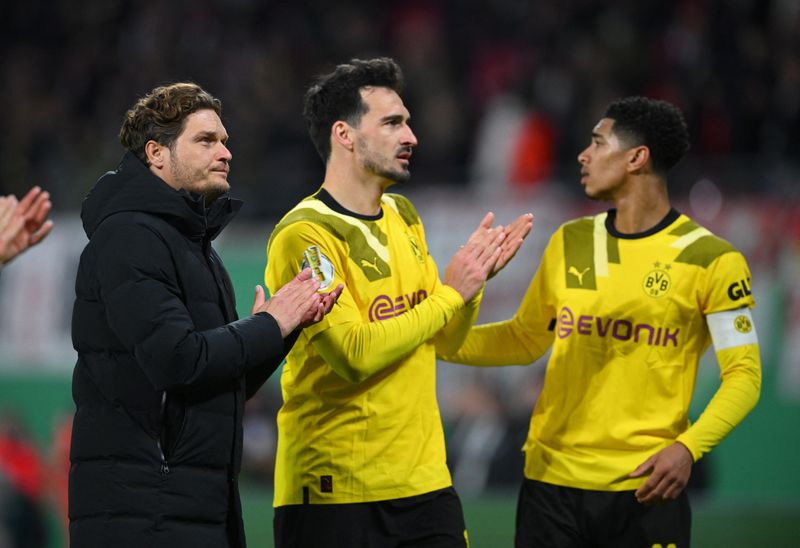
(342, 134)
(156, 154)
(638, 157)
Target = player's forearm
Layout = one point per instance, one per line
(358, 350)
(450, 338)
(497, 344)
(735, 398)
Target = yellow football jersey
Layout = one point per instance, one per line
(360, 421)
(626, 316)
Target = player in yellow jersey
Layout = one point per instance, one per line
(629, 300)
(361, 457)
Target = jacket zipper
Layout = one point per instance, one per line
(206, 247)
(164, 463)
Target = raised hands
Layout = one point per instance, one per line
(23, 224)
(325, 304)
(515, 233)
(486, 252)
(475, 260)
(297, 304)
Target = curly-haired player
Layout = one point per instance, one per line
(629, 300)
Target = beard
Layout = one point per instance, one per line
(377, 164)
(196, 180)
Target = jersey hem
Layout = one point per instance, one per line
(388, 494)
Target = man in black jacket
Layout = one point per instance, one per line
(164, 365)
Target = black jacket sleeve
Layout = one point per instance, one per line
(146, 310)
(257, 376)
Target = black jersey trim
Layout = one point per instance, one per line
(670, 218)
(324, 196)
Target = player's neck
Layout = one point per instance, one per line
(353, 193)
(352, 186)
(641, 209)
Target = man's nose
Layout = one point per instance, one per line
(226, 153)
(409, 138)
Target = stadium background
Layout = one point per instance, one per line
(503, 95)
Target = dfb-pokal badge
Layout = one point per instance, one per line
(321, 266)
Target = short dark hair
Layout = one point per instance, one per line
(161, 115)
(337, 96)
(658, 125)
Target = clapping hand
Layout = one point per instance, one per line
(23, 224)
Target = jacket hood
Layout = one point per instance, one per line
(133, 187)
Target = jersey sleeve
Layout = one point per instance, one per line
(527, 335)
(354, 347)
(727, 306)
(453, 335)
(727, 285)
(285, 260)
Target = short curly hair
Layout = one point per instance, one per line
(337, 96)
(161, 115)
(658, 125)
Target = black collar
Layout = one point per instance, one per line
(670, 218)
(324, 196)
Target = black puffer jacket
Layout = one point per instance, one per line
(163, 370)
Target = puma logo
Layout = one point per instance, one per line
(373, 265)
(574, 271)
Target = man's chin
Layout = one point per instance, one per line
(214, 190)
(591, 193)
(400, 176)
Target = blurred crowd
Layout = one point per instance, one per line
(501, 92)
(33, 484)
